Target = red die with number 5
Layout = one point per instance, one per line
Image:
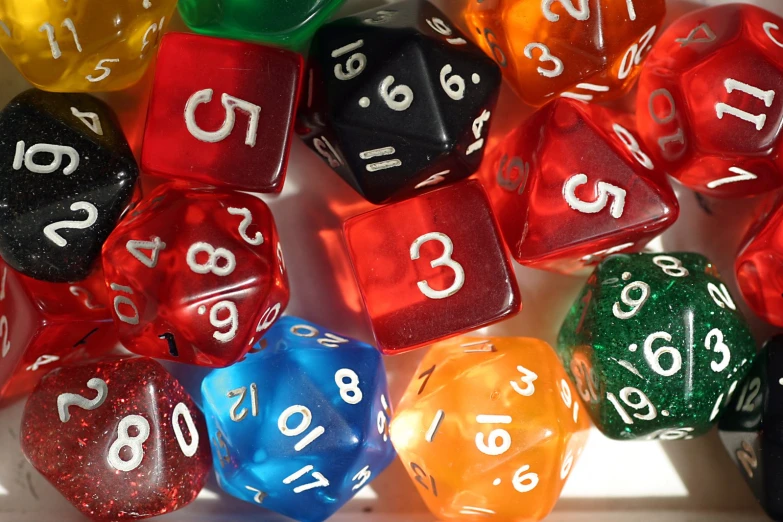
(221, 112)
(426, 272)
(195, 275)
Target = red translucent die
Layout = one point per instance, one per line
(573, 185)
(221, 112)
(45, 325)
(431, 267)
(710, 103)
(195, 275)
(120, 439)
(759, 264)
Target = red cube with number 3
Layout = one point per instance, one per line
(221, 112)
(426, 272)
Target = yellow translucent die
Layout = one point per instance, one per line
(588, 50)
(82, 45)
(489, 429)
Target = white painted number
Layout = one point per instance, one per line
(719, 348)
(155, 245)
(528, 379)
(444, 260)
(747, 457)
(581, 13)
(591, 207)
(87, 301)
(231, 104)
(709, 36)
(213, 264)
(239, 416)
(440, 27)
(741, 175)
(42, 361)
(53, 45)
(390, 96)
(65, 400)
(633, 56)
(232, 321)
(5, 331)
(90, 120)
(546, 56)
(768, 28)
(247, 220)
(635, 304)
(654, 358)
(120, 300)
(671, 266)
(50, 231)
(747, 402)
(57, 151)
(188, 449)
(101, 67)
(524, 481)
(633, 147)
(349, 391)
(453, 86)
(135, 443)
(731, 85)
(307, 419)
(499, 440)
(625, 396)
(721, 296)
(356, 62)
(320, 480)
(363, 476)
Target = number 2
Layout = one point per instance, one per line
(50, 231)
(72, 399)
(444, 260)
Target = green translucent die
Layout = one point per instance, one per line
(655, 346)
(285, 23)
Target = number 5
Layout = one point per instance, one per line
(101, 67)
(444, 260)
(592, 207)
(231, 104)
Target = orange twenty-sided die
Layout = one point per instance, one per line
(586, 50)
(490, 429)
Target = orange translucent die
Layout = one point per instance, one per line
(490, 428)
(581, 49)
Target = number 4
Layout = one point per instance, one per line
(155, 245)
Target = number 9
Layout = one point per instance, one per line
(232, 320)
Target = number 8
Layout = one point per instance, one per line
(444, 260)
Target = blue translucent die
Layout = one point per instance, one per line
(301, 424)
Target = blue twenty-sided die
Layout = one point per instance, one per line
(301, 424)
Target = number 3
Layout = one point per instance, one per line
(444, 260)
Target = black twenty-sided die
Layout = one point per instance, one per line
(751, 428)
(397, 99)
(66, 176)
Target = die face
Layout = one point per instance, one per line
(39, 334)
(490, 427)
(564, 211)
(708, 104)
(195, 275)
(236, 122)
(267, 21)
(655, 345)
(301, 424)
(576, 50)
(399, 101)
(93, 46)
(55, 216)
(751, 428)
(425, 273)
(758, 268)
(144, 440)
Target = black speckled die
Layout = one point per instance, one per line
(66, 176)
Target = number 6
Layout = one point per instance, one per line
(444, 260)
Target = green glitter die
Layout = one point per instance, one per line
(655, 345)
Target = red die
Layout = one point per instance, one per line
(221, 112)
(120, 439)
(44, 325)
(431, 267)
(759, 264)
(710, 106)
(195, 275)
(572, 185)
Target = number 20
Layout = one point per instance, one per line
(444, 260)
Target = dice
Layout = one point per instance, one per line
(91, 45)
(709, 107)
(751, 428)
(490, 427)
(393, 123)
(120, 439)
(287, 24)
(45, 325)
(427, 273)
(576, 49)
(242, 137)
(66, 176)
(301, 425)
(195, 275)
(758, 263)
(563, 211)
(655, 345)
